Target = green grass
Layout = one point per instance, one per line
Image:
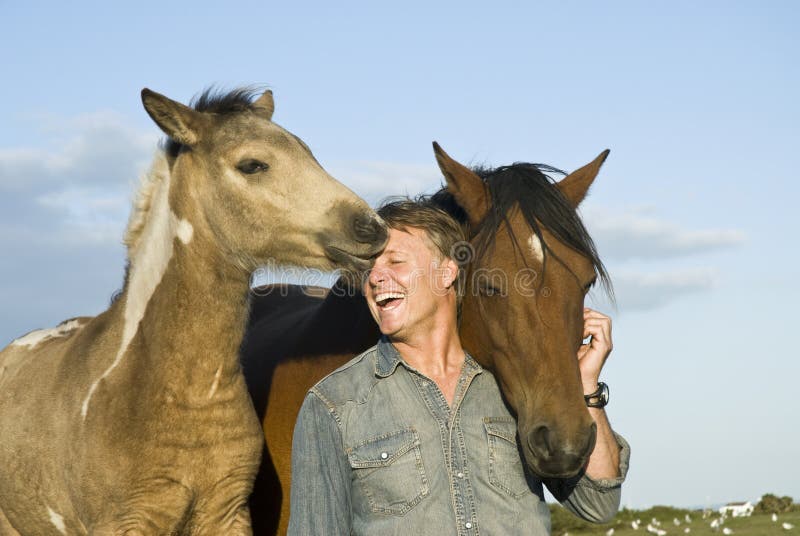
(755, 525)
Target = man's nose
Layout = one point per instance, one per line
(377, 275)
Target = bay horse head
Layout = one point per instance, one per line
(255, 190)
(531, 263)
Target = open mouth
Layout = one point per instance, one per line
(387, 301)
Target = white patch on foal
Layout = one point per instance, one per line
(215, 383)
(57, 521)
(32, 339)
(147, 266)
(536, 247)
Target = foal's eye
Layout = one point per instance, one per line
(251, 166)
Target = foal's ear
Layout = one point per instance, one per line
(178, 121)
(468, 188)
(265, 104)
(576, 185)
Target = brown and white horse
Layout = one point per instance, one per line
(529, 264)
(138, 421)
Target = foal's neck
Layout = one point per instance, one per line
(185, 305)
(195, 322)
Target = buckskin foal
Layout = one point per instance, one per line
(138, 421)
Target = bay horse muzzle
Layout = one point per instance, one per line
(550, 455)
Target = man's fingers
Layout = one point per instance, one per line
(600, 331)
(597, 327)
(591, 313)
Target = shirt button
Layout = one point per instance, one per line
(460, 475)
(468, 525)
(384, 455)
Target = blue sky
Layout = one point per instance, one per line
(694, 212)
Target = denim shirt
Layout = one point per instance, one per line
(378, 450)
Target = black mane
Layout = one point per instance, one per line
(531, 188)
(213, 100)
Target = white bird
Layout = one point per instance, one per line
(660, 532)
(676, 522)
(787, 526)
(688, 519)
(726, 531)
(635, 524)
(655, 522)
(651, 529)
(687, 530)
(610, 532)
(715, 524)
(774, 516)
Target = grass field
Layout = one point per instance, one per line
(755, 525)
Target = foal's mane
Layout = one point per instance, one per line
(530, 188)
(211, 100)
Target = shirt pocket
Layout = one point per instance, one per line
(505, 464)
(390, 472)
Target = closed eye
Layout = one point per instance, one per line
(251, 166)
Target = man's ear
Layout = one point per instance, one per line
(452, 272)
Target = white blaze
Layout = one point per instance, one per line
(536, 247)
(152, 257)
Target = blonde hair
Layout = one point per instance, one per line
(444, 233)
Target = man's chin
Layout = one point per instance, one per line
(391, 328)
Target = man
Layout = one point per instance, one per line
(371, 440)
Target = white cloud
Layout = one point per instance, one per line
(636, 234)
(62, 214)
(639, 290)
(79, 192)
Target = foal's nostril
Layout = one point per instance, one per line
(369, 229)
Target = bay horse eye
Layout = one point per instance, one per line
(588, 286)
(251, 166)
(489, 290)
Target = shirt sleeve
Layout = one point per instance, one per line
(596, 501)
(320, 492)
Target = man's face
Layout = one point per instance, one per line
(408, 285)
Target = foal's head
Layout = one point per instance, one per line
(532, 264)
(254, 191)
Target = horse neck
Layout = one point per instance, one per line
(183, 302)
(196, 320)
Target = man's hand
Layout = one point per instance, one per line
(592, 355)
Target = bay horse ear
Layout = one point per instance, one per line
(466, 186)
(178, 121)
(576, 185)
(265, 104)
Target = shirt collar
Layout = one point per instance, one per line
(389, 358)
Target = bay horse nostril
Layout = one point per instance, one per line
(539, 441)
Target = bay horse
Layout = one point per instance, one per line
(529, 264)
(138, 421)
